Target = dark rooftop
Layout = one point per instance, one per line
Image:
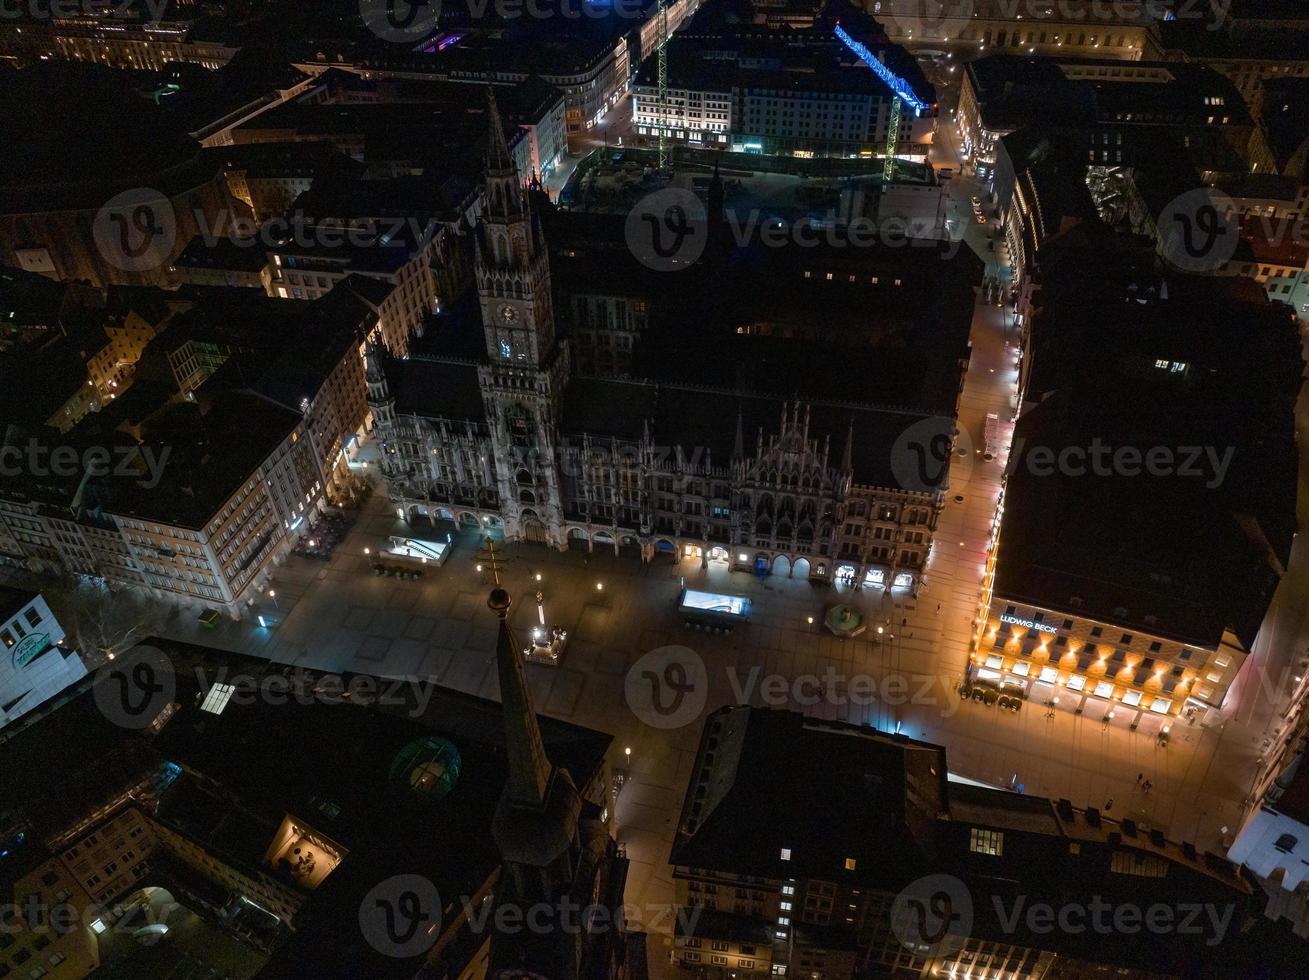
(372, 813)
(703, 421)
(1139, 361)
(879, 797)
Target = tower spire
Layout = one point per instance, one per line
(738, 448)
(497, 150)
(847, 456)
(529, 769)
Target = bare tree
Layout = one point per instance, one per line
(103, 623)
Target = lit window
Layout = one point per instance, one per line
(1132, 698)
(849, 864)
(1161, 706)
(786, 854)
(216, 700)
(1049, 674)
(1077, 682)
(98, 926)
(1103, 689)
(986, 841)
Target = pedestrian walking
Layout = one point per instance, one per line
(1139, 777)
(938, 607)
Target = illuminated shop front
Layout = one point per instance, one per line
(1104, 671)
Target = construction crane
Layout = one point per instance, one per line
(901, 95)
(892, 139)
(663, 85)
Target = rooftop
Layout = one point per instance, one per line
(1203, 369)
(879, 797)
(376, 815)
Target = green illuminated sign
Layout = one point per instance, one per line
(29, 647)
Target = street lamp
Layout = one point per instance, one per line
(599, 586)
(273, 595)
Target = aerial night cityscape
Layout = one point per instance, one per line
(676, 489)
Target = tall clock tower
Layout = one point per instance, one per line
(527, 366)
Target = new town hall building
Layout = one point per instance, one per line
(588, 402)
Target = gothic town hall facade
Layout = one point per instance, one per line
(512, 434)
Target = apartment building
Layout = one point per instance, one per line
(114, 857)
(325, 256)
(223, 481)
(1080, 28)
(1110, 113)
(128, 334)
(761, 95)
(795, 897)
(46, 929)
(143, 44)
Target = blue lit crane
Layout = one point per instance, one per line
(901, 95)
